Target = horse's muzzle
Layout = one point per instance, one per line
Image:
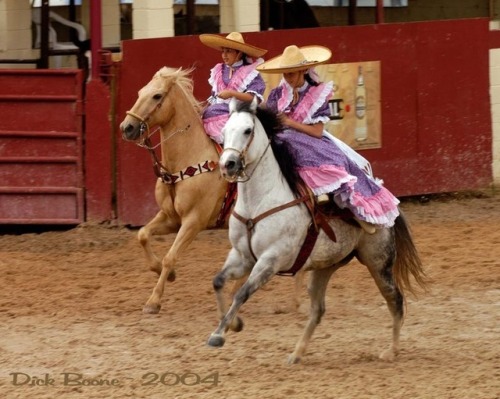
(131, 131)
(231, 166)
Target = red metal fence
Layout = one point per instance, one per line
(41, 170)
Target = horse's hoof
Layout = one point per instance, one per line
(237, 325)
(388, 355)
(151, 309)
(292, 359)
(216, 341)
(171, 276)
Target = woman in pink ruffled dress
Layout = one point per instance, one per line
(332, 170)
(235, 77)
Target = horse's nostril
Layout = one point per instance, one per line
(230, 165)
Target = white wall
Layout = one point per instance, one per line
(239, 15)
(15, 30)
(495, 111)
(153, 18)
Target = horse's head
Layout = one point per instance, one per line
(153, 106)
(248, 133)
(241, 146)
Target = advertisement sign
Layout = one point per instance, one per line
(355, 110)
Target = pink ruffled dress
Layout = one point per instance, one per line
(242, 78)
(323, 166)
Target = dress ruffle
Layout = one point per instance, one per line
(214, 120)
(326, 169)
(241, 80)
(329, 166)
(325, 178)
(380, 209)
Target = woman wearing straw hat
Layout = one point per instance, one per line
(327, 165)
(235, 77)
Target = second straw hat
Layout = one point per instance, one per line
(296, 59)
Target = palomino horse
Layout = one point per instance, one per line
(187, 205)
(270, 223)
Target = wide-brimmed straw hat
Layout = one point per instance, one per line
(234, 41)
(296, 59)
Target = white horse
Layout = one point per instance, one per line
(271, 221)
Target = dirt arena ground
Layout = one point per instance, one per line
(71, 321)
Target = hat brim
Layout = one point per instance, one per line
(315, 55)
(218, 42)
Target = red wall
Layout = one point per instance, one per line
(436, 123)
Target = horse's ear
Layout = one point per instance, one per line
(233, 103)
(254, 104)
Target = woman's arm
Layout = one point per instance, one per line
(225, 94)
(314, 130)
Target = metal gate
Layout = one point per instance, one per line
(41, 170)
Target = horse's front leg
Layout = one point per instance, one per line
(235, 268)
(159, 225)
(183, 239)
(264, 269)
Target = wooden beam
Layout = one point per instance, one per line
(43, 63)
(190, 18)
(352, 12)
(379, 19)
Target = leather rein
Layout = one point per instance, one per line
(159, 169)
(318, 219)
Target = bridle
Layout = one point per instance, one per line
(250, 223)
(144, 126)
(145, 142)
(242, 176)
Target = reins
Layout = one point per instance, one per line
(159, 169)
(318, 220)
(243, 177)
(251, 222)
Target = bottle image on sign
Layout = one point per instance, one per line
(361, 131)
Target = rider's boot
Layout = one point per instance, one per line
(322, 199)
(367, 227)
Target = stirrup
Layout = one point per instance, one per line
(322, 199)
(367, 227)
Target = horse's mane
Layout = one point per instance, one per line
(181, 77)
(283, 153)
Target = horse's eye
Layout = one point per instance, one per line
(247, 132)
(157, 97)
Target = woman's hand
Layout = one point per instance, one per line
(284, 119)
(225, 94)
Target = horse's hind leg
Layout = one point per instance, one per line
(317, 289)
(299, 283)
(159, 225)
(384, 278)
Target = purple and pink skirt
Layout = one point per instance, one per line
(326, 169)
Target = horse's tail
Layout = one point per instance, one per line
(408, 262)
